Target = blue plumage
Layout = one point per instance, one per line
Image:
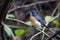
(34, 13)
(37, 17)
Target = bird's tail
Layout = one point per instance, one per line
(44, 25)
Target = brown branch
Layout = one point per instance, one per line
(23, 6)
(18, 21)
(55, 9)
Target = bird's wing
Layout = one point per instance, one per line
(40, 21)
(38, 18)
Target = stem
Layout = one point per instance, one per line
(23, 6)
(35, 35)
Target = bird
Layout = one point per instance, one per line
(35, 18)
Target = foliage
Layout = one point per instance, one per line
(8, 30)
(19, 32)
(48, 18)
(10, 15)
(55, 20)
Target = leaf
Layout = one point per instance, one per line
(7, 30)
(56, 22)
(48, 18)
(19, 32)
(10, 16)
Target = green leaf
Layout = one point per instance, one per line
(10, 16)
(7, 30)
(48, 18)
(19, 32)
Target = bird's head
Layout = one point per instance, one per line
(31, 13)
(28, 14)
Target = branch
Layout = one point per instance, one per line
(30, 5)
(55, 9)
(35, 35)
(18, 21)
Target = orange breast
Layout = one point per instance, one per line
(32, 19)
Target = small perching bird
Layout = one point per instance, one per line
(35, 18)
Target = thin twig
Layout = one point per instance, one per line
(15, 27)
(35, 35)
(18, 21)
(23, 6)
(42, 32)
(55, 9)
